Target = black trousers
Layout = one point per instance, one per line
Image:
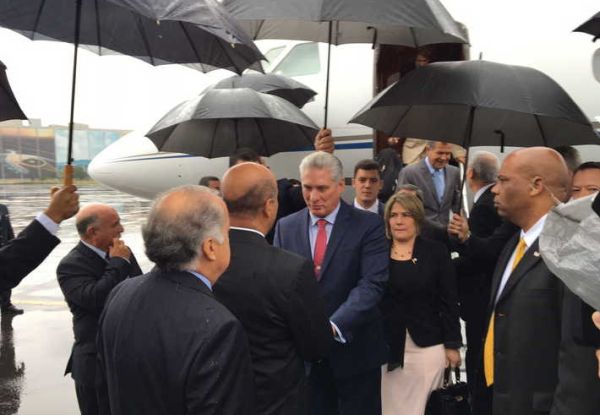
(5, 298)
(356, 395)
(87, 399)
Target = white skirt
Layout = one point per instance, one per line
(405, 390)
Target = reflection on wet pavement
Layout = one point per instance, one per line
(35, 346)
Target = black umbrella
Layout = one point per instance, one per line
(400, 22)
(591, 26)
(157, 31)
(479, 103)
(9, 107)
(218, 122)
(279, 85)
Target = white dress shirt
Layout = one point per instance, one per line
(374, 207)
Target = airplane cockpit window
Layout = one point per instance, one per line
(271, 56)
(303, 59)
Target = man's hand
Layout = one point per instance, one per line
(119, 249)
(453, 358)
(324, 141)
(64, 203)
(459, 226)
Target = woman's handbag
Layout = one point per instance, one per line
(451, 398)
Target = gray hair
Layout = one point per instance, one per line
(323, 160)
(172, 239)
(83, 224)
(485, 166)
(411, 188)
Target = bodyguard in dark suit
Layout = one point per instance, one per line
(272, 292)
(475, 274)
(6, 234)
(166, 345)
(350, 256)
(86, 276)
(438, 181)
(367, 184)
(522, 361)
(23, 254)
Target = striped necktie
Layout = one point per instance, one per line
(488, 347)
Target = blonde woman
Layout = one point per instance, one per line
(420, 311)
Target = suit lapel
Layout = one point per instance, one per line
(426, 174)
(501, 266)
(530, 258)
(92, 256)
(342, 223)
(302, 238)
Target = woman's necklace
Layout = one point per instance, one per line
(401, 252)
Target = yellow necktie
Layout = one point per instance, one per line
(488, 347)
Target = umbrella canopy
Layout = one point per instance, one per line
(220, 121)
(281, 86)
(591, 26)
(569, 247)
(479, 103)
(159, 32)
(9, 107)
(401, 22)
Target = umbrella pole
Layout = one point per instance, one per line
(467, 143)
(68, 173)
(328, 67)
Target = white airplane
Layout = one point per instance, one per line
(133, 165)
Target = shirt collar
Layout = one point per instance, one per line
(239, 228)
(481, 191)
(329, 218)
(202, 278)
(374, 207)
(430, 167)
(534, 232)
(100, 252)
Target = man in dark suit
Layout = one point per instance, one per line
(350, 256)
(367, 183)
(166, 345)
(272, 292)
(438, 181)
(475, 275)
(6, 234)
(522, 344)
(86, 276)
(23, 254)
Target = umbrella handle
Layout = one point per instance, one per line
(68, 176)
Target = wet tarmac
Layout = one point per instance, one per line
(35, 346)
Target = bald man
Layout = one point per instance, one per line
(166, 345)
(86, 276)
(273, 293)
(523, 327)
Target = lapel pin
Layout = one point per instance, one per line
(414, 260)
(536, 254)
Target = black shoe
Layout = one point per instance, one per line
(11, 309)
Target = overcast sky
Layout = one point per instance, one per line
(122, 92)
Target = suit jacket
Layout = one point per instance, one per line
(275, 296)
(354, 274)
(424, 301)
(475, 273)
(167, 346)
(527, 335)
(418, 174)
(6, 230)
(23, 254)
(86, 279)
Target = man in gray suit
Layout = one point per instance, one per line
(439, 181)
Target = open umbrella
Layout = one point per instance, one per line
(401, 22)
(279, 85)
(156, 31)
(479, 103)
(9, 107)
(220, 121)
(591, 26)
